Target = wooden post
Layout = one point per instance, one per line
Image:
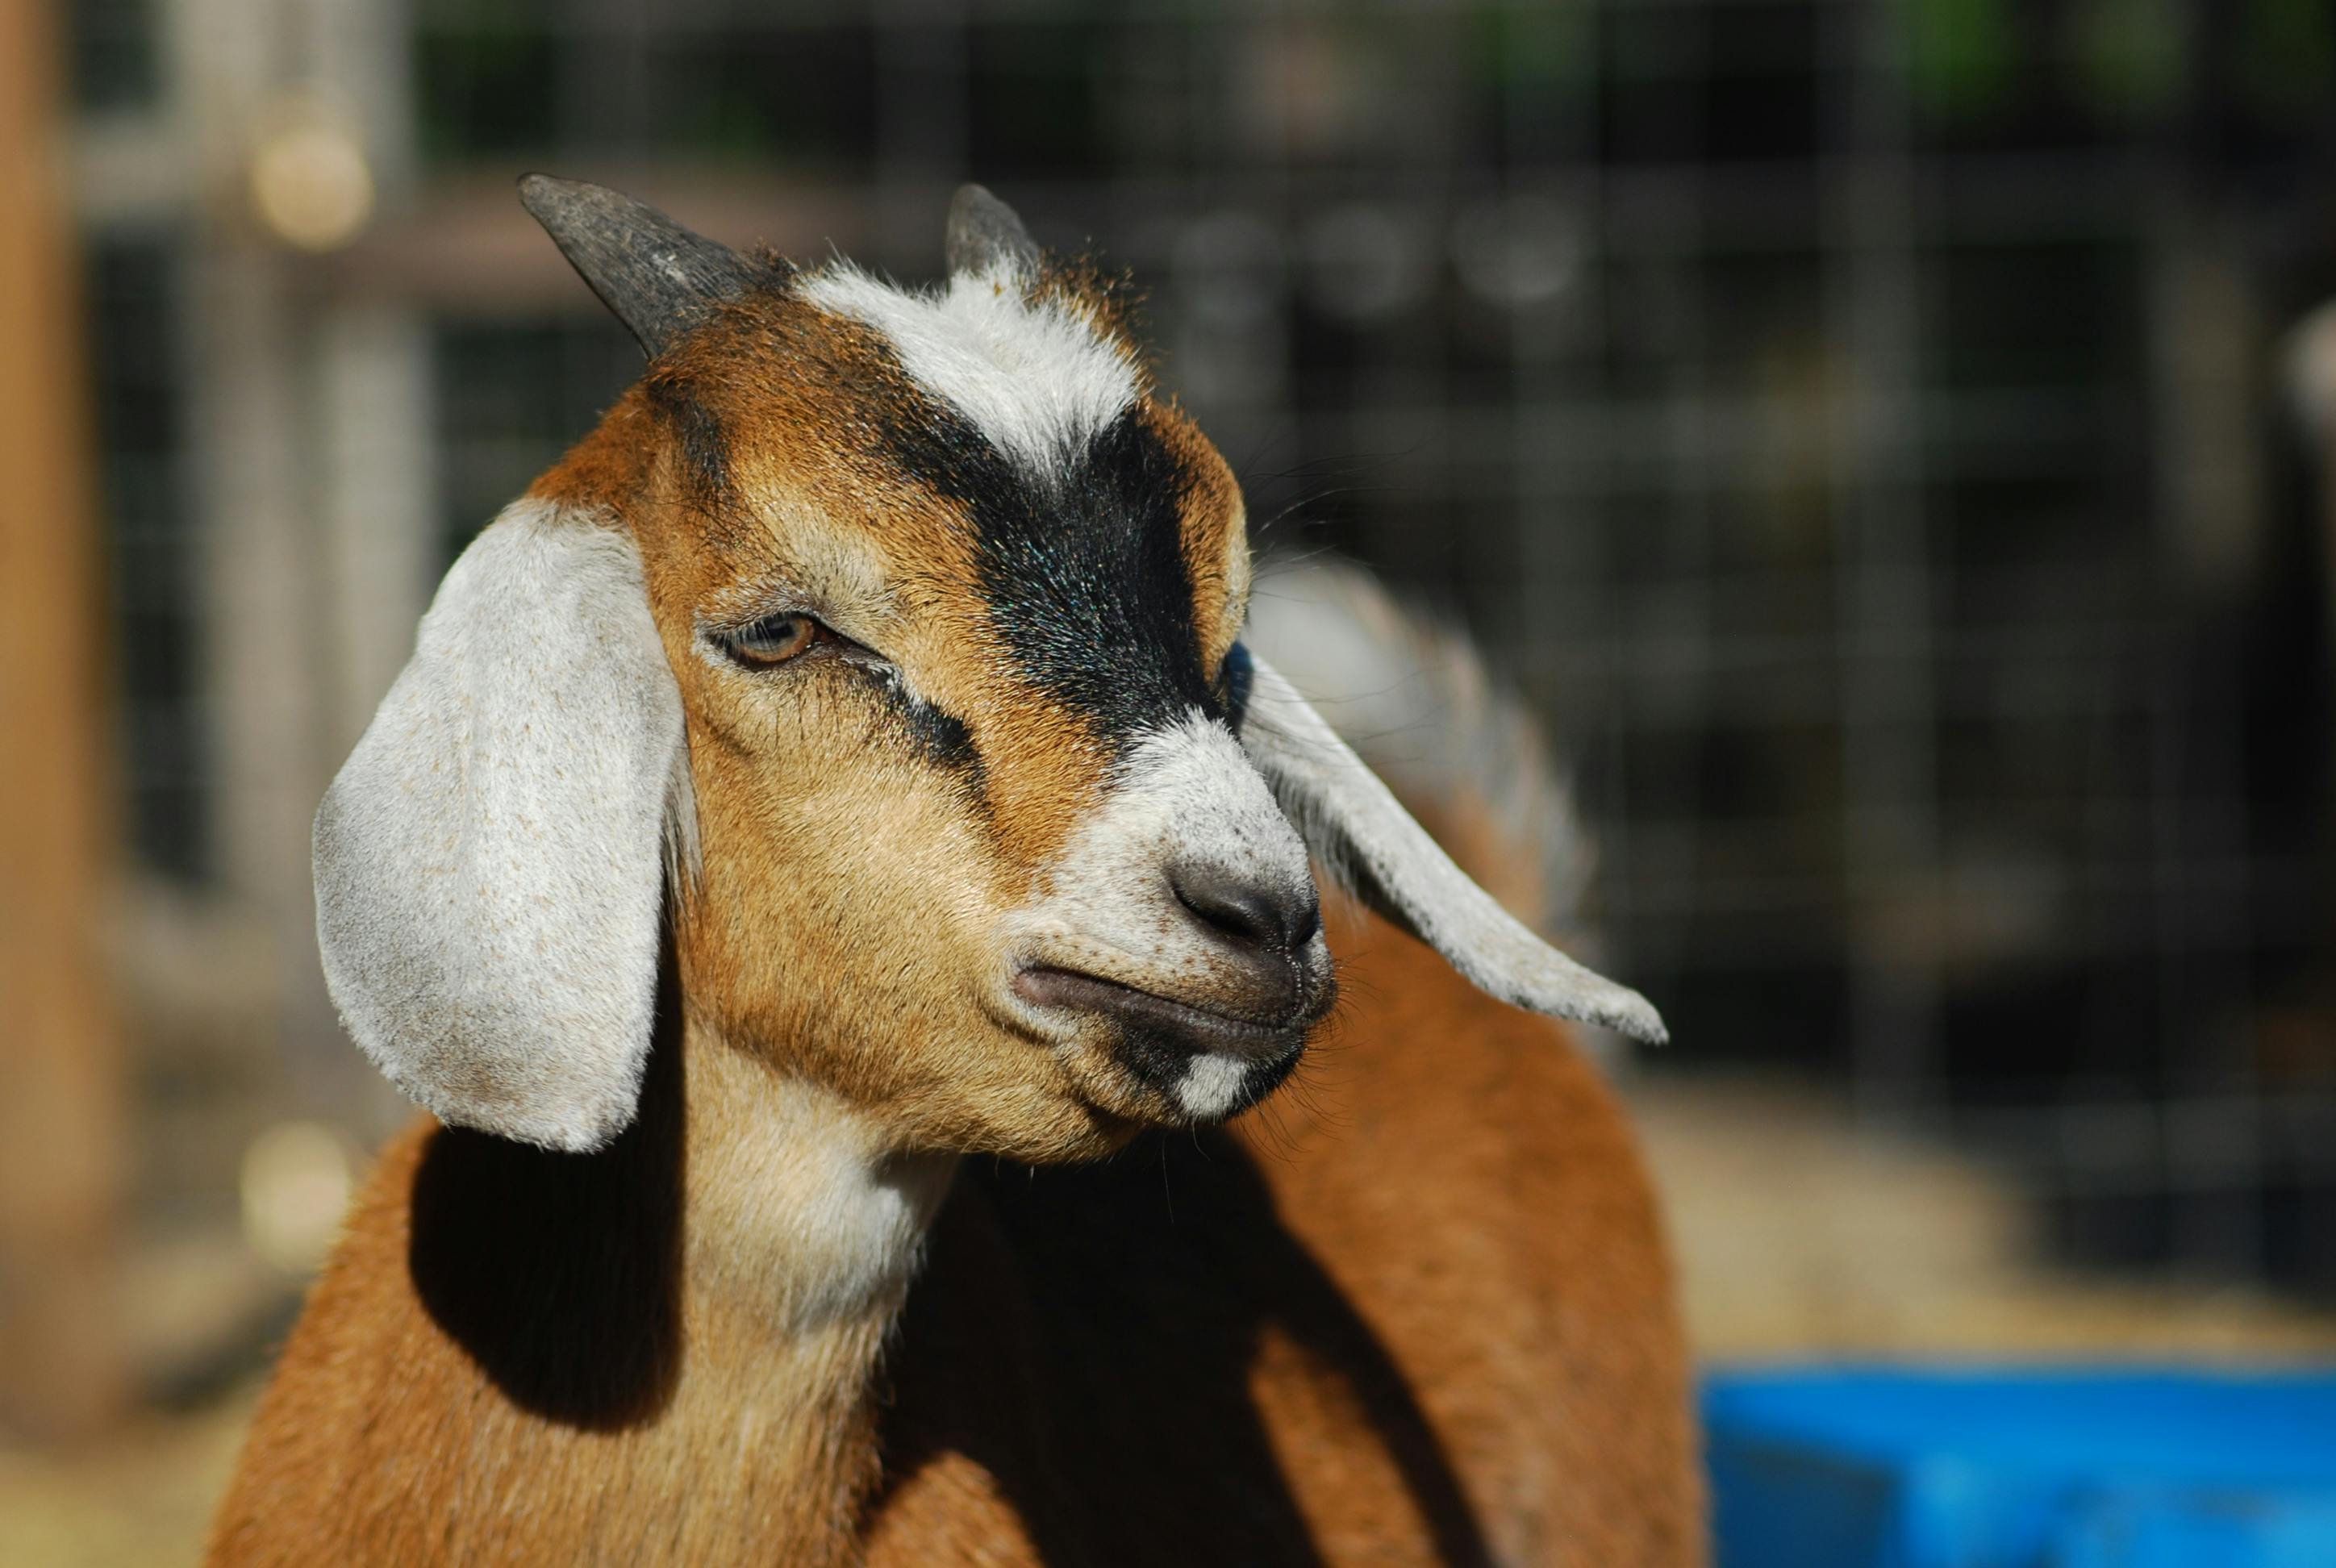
(61, 1110)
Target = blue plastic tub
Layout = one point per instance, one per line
(1869, 1468)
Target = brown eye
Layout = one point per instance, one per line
(774, 639)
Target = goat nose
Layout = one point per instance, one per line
(1275, 916)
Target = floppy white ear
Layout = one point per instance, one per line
(1354, 824)
(490, 861)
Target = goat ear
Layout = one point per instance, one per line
(490, 861)
(1358, 829)
(984, 234)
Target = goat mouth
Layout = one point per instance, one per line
(1198, 1027)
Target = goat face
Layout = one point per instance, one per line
(911, 621)
(955, 651)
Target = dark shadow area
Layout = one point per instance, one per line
(560, 1274)
(1087, 1336)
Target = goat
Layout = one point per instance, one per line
(831, 812)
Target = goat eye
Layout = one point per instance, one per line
(774, 639)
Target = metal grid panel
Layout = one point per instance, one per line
(133, 286)
(1803, 400)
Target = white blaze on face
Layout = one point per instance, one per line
(1185, 793)
(1035, 377)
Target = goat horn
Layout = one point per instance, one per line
(983, 232)
(658, 278)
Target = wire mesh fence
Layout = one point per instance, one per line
(1852, 425)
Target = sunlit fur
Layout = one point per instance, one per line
(1030, 370)
(1425, 1315)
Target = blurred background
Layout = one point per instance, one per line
(1883, 438)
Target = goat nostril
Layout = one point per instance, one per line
(1309, 921)
(1263, 916)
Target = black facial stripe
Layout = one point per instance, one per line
(1084, 569)
(945, 739)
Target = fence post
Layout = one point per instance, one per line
(62, 1080)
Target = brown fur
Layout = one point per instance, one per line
(1419, 1313)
